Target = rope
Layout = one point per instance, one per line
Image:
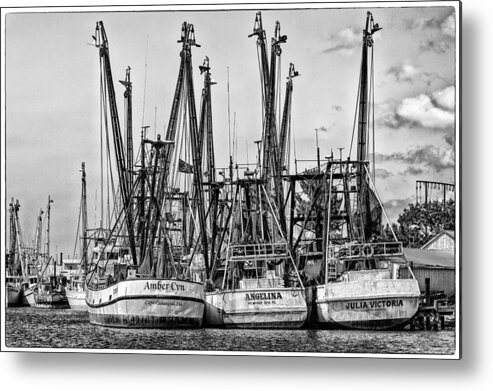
(229, 116)
(102, 120)
(78, 226)
(145, 82)
(372, 79)
(355, 114)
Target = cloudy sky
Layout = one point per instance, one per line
(52, 93)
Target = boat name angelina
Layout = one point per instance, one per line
(164, 286)
(263, 296)
(359, 305)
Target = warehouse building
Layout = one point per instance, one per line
(436, 261)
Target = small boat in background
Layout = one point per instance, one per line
(18, 262)
(49, 291)
(76, 288)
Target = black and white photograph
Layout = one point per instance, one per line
(233, 179)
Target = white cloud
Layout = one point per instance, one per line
(445, 98)
(344, 41)
(448, 26)
(434, 45)
(419, 158)
(407, 72)
(404, 72)
(422, 111)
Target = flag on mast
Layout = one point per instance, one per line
(184, 167)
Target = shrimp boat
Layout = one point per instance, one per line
(15, 264)
(255, 291)
(76, 289)
(20, 273)
(257, 284)
(362, 287)
(145, 284)
(76, 293)
(14, 290)
(49, 290)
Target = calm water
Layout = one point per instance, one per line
(46, 328)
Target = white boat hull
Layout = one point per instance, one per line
(29, 296)
(51, 300)
(45, 299)
(256, 308)
(147, 303)
(77, 300)
(367, 305)
(13, 295)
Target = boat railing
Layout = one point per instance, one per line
(257, 251)
(353, 251)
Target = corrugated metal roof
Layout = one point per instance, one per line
(430, 257)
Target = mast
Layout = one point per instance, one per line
(259, 31)
(128, 125)
(13, 237)
(84, 217)
(101, 42)
(205, 130)
(364, 223)
(364, 95)
(270, 142)
(286, 118)
(271, 167)
(48, 210)
(39, 229)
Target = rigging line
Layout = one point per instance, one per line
(155, 121)
(262, 82)
(176, 149)
(181, 140)
(109, 176)
(294, 143)
(145, 81)
(108, 152)
(287, 156)
(373, 109)
(368, 114)
(372, 185)
(78, 226)
(246, 149)
(108, 167)
(102, 114)
(229, 115)
(235, 141)
(355, 114)
(107, 240)
(278, 95)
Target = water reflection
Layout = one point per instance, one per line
(47, 328)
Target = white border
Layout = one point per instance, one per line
(248, 6)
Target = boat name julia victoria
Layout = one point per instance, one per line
(374, 304)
